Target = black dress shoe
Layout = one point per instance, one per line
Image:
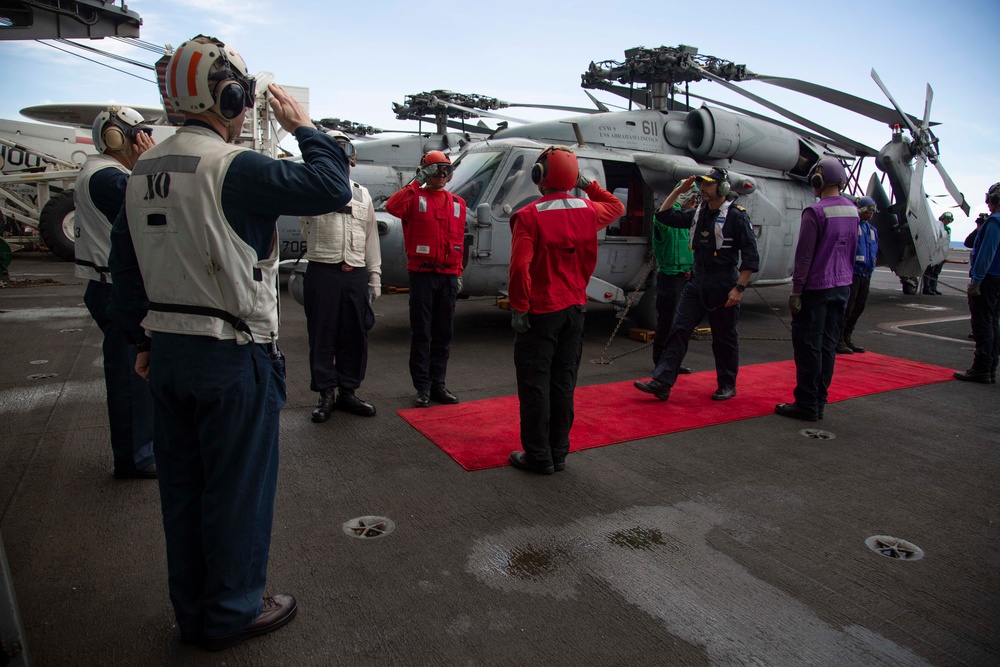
(659, 389)
(844, 348)
(937, 293)
(149, 472)
(724, 393)
(684, 370)
(518, 460)
(324, 406)
(972, 375)
(348, 401)
(278, 611)
(854, 348)
(795, 412)
(423, 398)
(443, 396)
(559, 465)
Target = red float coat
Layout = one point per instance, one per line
(433, 228)
(554, 249)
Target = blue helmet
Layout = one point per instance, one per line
(864, 202)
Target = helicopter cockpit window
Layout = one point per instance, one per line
(473, 173)
(625, 182)
(516, 191)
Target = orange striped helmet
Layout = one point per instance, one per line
(197, 74)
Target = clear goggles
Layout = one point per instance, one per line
(439, 169)
(867, 209)
(347, 147)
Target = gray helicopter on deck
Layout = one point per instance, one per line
(640, 154)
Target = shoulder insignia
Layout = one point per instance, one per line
(740, 208)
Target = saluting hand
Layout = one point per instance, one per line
(143, 142)
(289, 113)
(686, 184)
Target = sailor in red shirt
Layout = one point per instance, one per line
(434, 237)
(553, 254)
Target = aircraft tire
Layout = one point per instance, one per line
(55, 224)
(643, 313)
(296, 281)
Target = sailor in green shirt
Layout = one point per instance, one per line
(672, 250)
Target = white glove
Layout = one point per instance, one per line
(460, 284)
(374, 292)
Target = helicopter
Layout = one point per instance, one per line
(640, 154)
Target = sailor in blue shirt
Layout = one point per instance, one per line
(864, 266)
(195, 252)
(984, 295)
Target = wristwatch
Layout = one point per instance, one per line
(740, 287)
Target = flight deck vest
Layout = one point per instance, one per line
(434, 234)
(91, 229)
(340, 236)
(201, 278)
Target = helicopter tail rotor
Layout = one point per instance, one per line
(924, 147)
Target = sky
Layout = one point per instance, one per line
(357, 59)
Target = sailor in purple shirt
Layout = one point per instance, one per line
(821, 284)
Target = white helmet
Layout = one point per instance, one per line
(206, 75)
(344, 141)
(115, 127)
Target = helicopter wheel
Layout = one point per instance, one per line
(296, 282)
(643, 313)
(55, 224)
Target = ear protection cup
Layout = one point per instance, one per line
(540, 167)
(993, 195)
(113, 137)
(724, 186)
(537, 172)
(816, 178)
(230, 98)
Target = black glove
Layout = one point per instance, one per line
(519, 321)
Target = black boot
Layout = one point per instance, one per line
(348, 401)
(843, 347)
(324, 406)
(974, 375)
(849, 343)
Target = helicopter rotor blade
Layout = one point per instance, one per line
(949, 184)
(636, 96)
(915, 192)
(925, 124)
(858, 148)
(838, 98)
(481, 112)
(906, 119)
(555, 107)
(597, 103)
(759, 116)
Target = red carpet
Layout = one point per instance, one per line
(481, 434)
